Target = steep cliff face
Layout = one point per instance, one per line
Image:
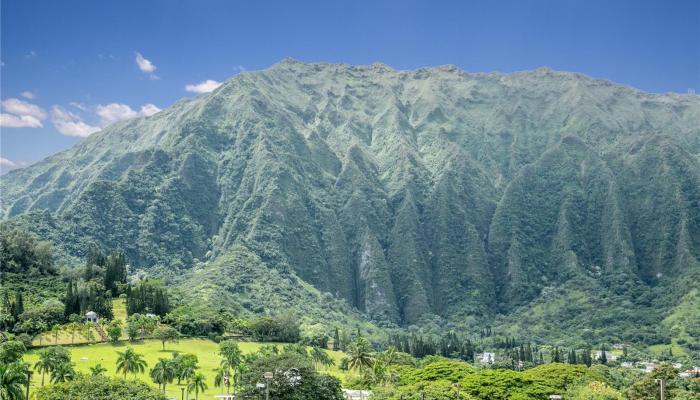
(407, 193)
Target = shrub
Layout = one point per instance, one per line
(99, 388)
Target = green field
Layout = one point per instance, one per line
(86, 356)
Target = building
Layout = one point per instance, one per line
(91, 316)
(486, 358)
(648, 367)
(608, 355)
(690, 373)
(351, 394)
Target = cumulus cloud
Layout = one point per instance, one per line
(203, 87)
(28, 95)
(145, 65)
(114, 112)
(20, 114)
(19, 121)
(149, 109)
(9, 165)
(4, 162)
(19, 107)
(70, 124)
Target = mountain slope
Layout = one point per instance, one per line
(407, 193)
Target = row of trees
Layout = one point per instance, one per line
(449, 345)
(88, 296)
(147, 297)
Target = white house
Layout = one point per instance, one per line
(351, 394)
(91, 316)
(486, 358)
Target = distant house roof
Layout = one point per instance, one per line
(90, 314)
(352, 394)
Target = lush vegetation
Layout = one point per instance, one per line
(411, 220)
(99, 388)
(567, 216)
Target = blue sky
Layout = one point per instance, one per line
(70, 67)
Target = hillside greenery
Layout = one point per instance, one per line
(543, 205)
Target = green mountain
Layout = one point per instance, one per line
(409, 194)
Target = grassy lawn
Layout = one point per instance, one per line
(659, 349)
(86, 356)
(48, 338)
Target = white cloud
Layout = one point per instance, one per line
(31, 54)
(114, 112)
(19, 107)
(144, 64)
(28, 95)
(19, 121)
(4, 162)
(9, 165)
(20, 114)
(149, 109)
(203, 87)
(70, 124)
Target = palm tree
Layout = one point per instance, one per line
(130, 361)
(97, 370)
(62, 372)
(360, 354)
(229, 350)
(188, 368)
(220, 373)
(237, 374)
(389, 356)
(56, 330)
(45, 364)
(163, 372)
(73, 327)
(86, 332)
(233, 357)
(320, 357)
(42, 328)
(197, 383)
(12, 380)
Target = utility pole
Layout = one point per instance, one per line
(268, 377)
(662, 388)
(29, 380)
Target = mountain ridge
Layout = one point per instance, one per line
(406, 193)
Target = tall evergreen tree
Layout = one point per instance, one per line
(587, 359)
(556, 355)
(18, 305)
(603, 356)
(336, 340)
